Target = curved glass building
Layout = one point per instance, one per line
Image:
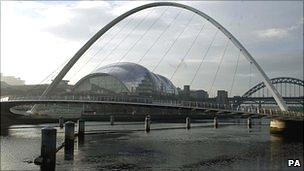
(125, 78)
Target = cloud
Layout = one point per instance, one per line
(273, 33)
(278, 33)
(78, 22)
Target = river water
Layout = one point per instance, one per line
(169, 146)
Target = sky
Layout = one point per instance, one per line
(39, 37)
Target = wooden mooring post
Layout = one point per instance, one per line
(69, 140)
(47, 158)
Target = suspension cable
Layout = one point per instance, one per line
(97, 52)
(123, 27)
(186, 54)
(173, 43)
(56, 70)
(159, 36)
(204, 57)
(219, 66)
(108, 42)
(48, 77)
(294, 90)
(234, 74)
(122, 40)
(140, 38)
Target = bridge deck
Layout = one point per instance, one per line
(207, 108)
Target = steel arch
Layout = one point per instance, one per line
(91, 41)
(277, 80)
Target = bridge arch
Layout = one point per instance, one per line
(91, 41)
(277, 80)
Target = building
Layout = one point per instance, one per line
(222, 97)
(11, 80)
(124, 78)
(189, 94)
(63, 86)
(199, 94)
(186, 91)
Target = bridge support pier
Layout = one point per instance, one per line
(61, 122)
(289, 129)
(188, 123)
(249, 122)
(215, 122)
(147, 123)
(112, 120)
(260, 121)
(69, 140)
(81, 130)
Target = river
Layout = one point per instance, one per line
(169, 146)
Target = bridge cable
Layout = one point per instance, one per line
(173, 43)
(219, 66)
(238, 58)
(108, 42)
(288, 87)
(114, 47)
(122, 40)
(140, 38)
(235, 71)
(294, 90)
(282, 88)
(186, 54)
(290, 90)
(281, 85)
(55, 71)
(204, 57)
(118, 32)
(159, 36)
(250, 72)
(48, 77)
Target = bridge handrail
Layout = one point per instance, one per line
(167, 102)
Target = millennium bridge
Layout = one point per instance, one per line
(209, 107)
